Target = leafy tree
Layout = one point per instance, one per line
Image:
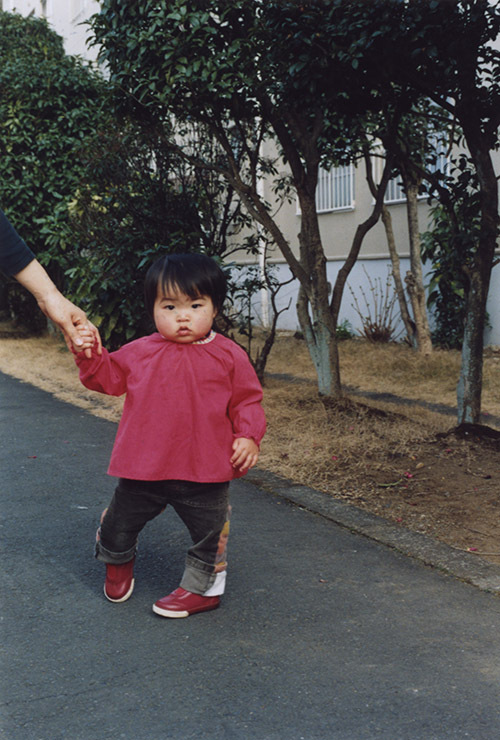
(250, 71)
(449, 57)
(93, 194)
(423, 135)
(126, 209)
(49, 102)
(303, 75)
(137, 199)
(449, 246)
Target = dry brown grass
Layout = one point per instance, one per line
(330, 451)
(46, 363)
(383, 457)
(303, 442)
(393, 368)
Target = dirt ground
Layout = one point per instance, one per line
(448, 488)
(432, 480)
(398, 461)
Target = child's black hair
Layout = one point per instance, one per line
(191, 274)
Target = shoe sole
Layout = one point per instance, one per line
(123, 598)
(180, 615)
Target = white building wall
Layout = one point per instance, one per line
(377, 269)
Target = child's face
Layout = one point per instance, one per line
(181, 319)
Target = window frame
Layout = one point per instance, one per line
(334, 190)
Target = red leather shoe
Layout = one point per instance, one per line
(119, 582)
(182, 603)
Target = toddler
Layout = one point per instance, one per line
(192, 421)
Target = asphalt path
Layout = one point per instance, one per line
(323, 634)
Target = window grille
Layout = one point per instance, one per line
(335, 189)
(395, 192)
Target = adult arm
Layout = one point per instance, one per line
(19, 262)
(53, 304)
(14, 254)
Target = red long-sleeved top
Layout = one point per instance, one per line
(185, 405)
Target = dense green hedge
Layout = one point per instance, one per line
(90, 193)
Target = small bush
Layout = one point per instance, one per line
(344, 330)
(377, 319)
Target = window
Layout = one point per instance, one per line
(335, 189)
(394, 192)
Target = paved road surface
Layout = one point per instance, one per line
(323, 634)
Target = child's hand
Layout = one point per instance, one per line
(245, 454)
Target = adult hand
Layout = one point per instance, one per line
(68, 318)
(59, 309)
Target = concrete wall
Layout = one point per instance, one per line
(377, 270)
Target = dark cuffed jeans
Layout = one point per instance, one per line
(204, 509)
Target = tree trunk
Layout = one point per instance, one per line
(391, 244)
(396, 274)
(313, 309)
(361, 231)
(414, 278)
(470, 384)
(320, 335)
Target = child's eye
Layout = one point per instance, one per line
(169, 307)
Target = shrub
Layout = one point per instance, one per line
(449, 247)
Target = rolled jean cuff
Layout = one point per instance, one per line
(198, 576)
(114, 558)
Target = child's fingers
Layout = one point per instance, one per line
(239, 451)
(250, 461)
(247, 464)
(86, 340)
(97, 337)
(245, 455)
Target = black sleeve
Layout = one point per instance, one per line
(14, 254)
